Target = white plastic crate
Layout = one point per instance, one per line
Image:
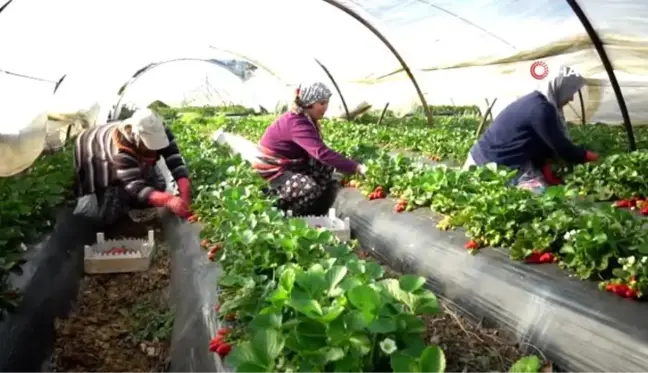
(135, 257)
(341, 228)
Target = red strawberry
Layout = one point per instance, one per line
(211, 256)
(214, 248)
(471, 245)
(224, 349)
(624, 203)
(400, 208)
(224, 331)
(215, 343)
(546, 258)
(538, 257)
(644, 210)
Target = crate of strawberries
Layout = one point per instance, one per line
(120, 255)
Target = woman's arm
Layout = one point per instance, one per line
(305, 135)
(129, 172)
(545, 124)
(173, 158)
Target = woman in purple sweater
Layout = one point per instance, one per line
(296, 161)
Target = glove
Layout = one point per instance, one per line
(549, 175)
(362, 169)
(591, 156)
(178, 206)
(184, 189)
(159, 199)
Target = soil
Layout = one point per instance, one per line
(121, 322)
(468, 346)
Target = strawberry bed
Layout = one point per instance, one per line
(27, 208)
(294, 297)
(565, 226)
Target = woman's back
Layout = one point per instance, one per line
(511, 139)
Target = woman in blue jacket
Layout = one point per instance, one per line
(531, 131)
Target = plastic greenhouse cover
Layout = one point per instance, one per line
(461, 52)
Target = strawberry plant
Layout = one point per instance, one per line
(27, 206)
(480, 200)
(297, 298)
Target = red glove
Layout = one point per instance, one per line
(159, 199)
(168, 200)
(184, 187)
(591, 156)
(549, 175)
(178, 206)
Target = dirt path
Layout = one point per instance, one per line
(468, 346)
(121, 322)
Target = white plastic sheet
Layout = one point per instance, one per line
(461, 52)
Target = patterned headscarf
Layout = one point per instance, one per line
(561, 87)
(309, 93)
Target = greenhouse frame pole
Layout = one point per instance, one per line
(337, 88)
(600, 49)
(58, 84)
(152, 65)
(5, 5)
(379, 35)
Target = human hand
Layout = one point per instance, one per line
(362, 169)
(179, 207)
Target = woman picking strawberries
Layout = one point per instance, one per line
(116, 169)
(531, 131)
(296, 161)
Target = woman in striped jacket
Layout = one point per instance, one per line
(116, 168)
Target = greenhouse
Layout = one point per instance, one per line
(417, 253)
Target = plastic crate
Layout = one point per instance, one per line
(101, 258)
(340, 227)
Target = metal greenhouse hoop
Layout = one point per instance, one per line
(379, 35)
(600, 49)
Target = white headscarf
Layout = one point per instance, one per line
(309, 93)
(561, 86)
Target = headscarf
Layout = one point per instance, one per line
(308, 93)
(561, 86)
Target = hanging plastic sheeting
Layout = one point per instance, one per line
(461, 52)
(194, 82)
(22, 128)
(465, 52)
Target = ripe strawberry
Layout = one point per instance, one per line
(399, 208)
(471, 245)
(215, 343)
(644, 210)
(546, 258)
(624, 203)
(538, 257)
(224, 349)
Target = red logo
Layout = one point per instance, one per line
(539, 70)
